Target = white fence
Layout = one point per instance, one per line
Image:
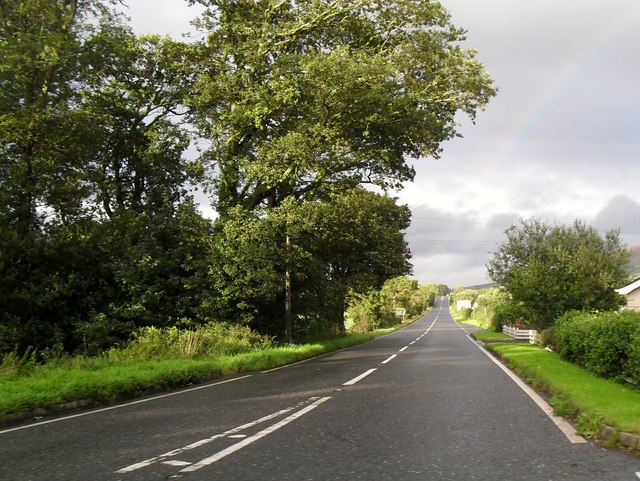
(530, 335)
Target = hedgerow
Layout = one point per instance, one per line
(605, 343)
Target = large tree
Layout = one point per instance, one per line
(134, 93)
(554, 269)
(358, 238)
(294, 96)
(323, 249)
(44, 131)
(89, 125)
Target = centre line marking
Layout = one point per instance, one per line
(388, 359)
(405, 347)
(360, 377)
(252, 439)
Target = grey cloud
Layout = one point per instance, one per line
(621, 213)
(453, 248)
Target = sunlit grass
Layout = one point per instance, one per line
(490, 336)
(104, 379)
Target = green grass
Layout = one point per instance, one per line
(459, 317)
(591, 401)
(490, 336)
(477, 323)
(103, 380)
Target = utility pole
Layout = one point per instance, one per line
(288, 314)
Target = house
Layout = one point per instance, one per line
(632, 293)
(464, 304)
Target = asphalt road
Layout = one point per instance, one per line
(424, 403)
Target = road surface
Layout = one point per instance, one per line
(424, 403)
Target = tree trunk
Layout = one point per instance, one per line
(338, 323)
(288, 314)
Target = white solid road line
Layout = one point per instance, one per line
(119, 406)
(227, 434)
(567, 429)
(251, 439)
(360, 377)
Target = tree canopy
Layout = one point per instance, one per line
(295, 105)
(297, 97)
(554, 269)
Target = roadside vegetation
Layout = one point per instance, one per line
(561, 281)
(161, 358)
(106, 136)
(26, 385)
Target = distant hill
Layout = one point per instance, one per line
(480, 287)
(634, 268)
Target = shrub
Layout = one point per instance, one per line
(633, 362)
(209, 340)
(548, 337)
(510, 313)
(465, 313)
(607, 343)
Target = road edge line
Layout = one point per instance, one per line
(563, 425)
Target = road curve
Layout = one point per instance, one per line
(424, 403)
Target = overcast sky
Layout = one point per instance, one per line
(560, 141)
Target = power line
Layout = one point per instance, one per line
(458, 221)
(438, 219)
(455, 241)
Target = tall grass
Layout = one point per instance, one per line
(210, 340)
(154, 358)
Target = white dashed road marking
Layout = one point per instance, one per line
(389, 359)
(360, 377)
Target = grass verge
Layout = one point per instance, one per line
(102, 381)
(590, 401)
(489, 336)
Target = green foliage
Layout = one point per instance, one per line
(548, 337)
(102, 379)
(300, 104)
(135, 90)
(208, 340)
(489, 311)
(551, 270)
(348, 241)
(376, 309)
(299, 98)
(510, 313)
(86, 287)
(604, 343)
(462, 294)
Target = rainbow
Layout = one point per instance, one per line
(538, 105)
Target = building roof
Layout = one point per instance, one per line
(629, 288)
